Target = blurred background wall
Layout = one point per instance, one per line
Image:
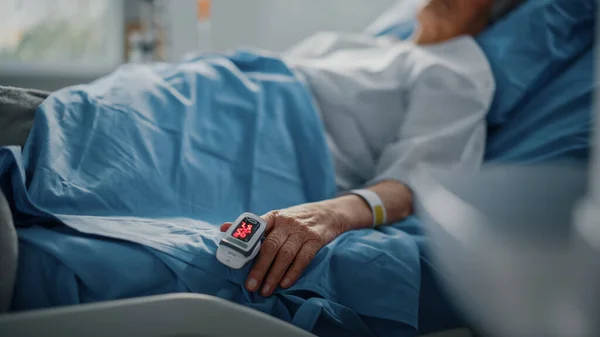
(269, 24)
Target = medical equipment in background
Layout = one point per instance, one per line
(205, 38)
(145, 45)
(187, 27)
(242, 241)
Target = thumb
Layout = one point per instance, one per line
(225, 226)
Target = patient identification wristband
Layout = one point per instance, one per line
(377, 208)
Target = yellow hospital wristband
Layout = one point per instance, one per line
(377, 207)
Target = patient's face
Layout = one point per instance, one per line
(441, 20)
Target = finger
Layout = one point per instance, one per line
(302, 260)
(225, 226)
(286, 255)
(270, 218)
(266, 255)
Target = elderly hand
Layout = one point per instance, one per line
(294, 236)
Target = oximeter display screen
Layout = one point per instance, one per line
(246, 229)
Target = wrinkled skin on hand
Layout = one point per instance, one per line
(294, 236)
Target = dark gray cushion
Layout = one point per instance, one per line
(17, 110)
(8, 255)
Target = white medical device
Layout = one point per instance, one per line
(242, 241)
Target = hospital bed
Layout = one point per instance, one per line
(541, 113)
(175, 315)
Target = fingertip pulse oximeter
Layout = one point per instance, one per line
(242, 240)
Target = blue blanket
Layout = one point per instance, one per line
(122, 184)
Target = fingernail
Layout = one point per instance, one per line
(285, 282)
(252, 283)
(266, 289)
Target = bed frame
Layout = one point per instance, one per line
(174, 315)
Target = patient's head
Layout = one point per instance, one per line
(441, 20)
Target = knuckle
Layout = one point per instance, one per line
(269, 246)
(287, 253)
(289, 220)
(316, 244)
(310, 235)
(307, 255)
(304, 225)
(313, 236)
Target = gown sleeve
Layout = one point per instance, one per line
(445, 120)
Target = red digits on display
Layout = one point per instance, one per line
(243, 231)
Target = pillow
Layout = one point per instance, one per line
(532, 45)
(525, 48)
(17, 109)
(554, 124)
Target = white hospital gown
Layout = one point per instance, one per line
(390, 106)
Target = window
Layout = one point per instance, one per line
(60, 36)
